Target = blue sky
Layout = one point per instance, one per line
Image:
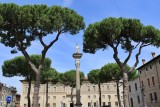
(92, 11)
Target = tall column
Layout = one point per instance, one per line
(77, 57)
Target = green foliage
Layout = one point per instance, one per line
(51, 75)
(112, 71)
(18, 66)
(69, 78)
(133, 75)
(123, 31)
(95, 77)
(20, 25)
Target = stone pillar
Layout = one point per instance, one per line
(77, 57)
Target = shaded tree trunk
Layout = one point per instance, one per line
(36, 90)
(99, 86)
(125, 89)
(29, 91)
(118, 94)
(47, 94)
(72, 94)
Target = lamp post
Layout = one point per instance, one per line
(77, 57)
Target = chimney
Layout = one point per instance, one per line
(143, 61)
(153, 54)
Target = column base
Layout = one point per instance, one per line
(78, 104)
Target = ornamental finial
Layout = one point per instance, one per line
(77, 48)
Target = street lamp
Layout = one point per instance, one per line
(77, 57)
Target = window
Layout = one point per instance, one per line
(153, 82)
(159, 61)
(146, 69)
(48, 105)
(102, 88)
(54, 104)
(54, 89)
(63, 97)
(109, 103)
(54, 97)
(155, 96)
(94, 96)
(138, 99)
(104, 103)
(142, 84)
(131, 102)
(135, 86)
(89, 104)
(89, 88)
(140, 72)
(129, 88)
(94, 88)
(25, 105)
(89, 97)
(151, 97)
(121, 97)
(95, 105)
(103, 96)
(26, 89)
(116, 104)
(150, 66)
(64, 105)
(148, 82)
(25, 98)
(115, 96)
(108, 87)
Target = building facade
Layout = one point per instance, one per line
(150, 81)
(135, 99)
(7, 91)
(60, 95)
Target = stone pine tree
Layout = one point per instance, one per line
(69, 79)
(49, 75)
(126, 34)
(114, 72)
(18, 66)
(20, 25)
(96, 77)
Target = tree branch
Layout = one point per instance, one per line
(137, 55)
(46, 49)
(29, 61)
(115, 55)
(128, 57)
(40, 39)
(136, 46)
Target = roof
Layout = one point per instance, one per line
(149, 62)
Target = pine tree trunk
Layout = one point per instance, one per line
(118, 94)
(99, 86)
(28, 94)
(125, 89)
(36, 90)
(47, 94)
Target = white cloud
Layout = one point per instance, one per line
(67, 3)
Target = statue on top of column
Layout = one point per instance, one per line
(77, 48)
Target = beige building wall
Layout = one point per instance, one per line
(135, 99)
(7, 91)
(61, 95)
(150, 81)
